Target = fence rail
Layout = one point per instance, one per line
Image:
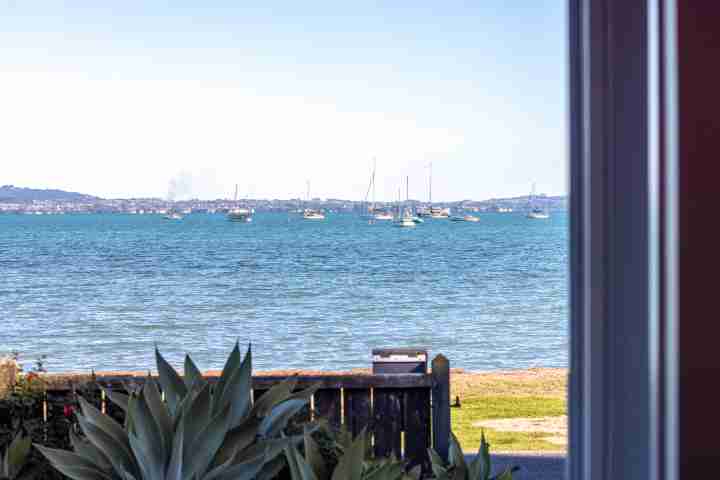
(405, 413)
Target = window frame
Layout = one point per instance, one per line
(623, 406)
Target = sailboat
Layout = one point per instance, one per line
(240, 214)
(536, 213)
(430, 211)
(375, 212)
(309, 213)
(407, 219)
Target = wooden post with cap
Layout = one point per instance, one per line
(440, 371)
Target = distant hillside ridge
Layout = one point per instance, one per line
(10, 193)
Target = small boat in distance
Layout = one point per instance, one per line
(310, 213)
(465, 218)
(172, 216)
(240, 214)
(379, 214)
(536, 213)
(406, 220)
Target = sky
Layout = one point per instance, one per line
(137, 98)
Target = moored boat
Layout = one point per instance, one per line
(238, 213)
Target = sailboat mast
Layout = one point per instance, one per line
(431, 184)
(373, 183)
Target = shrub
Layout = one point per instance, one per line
(200, 431)
(457, 469)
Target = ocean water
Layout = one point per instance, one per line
(99, 291)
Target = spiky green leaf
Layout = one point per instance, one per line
(88, 450)
(148, 435)
(72, 465)
(279, 417)
(160, 414)
(231, 365)
(351, 463)
(206, 445)
(170, 381)
(192, 373)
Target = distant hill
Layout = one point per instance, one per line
(10, 193)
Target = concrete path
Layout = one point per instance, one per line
(532, 466)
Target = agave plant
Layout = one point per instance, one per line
(15, 457)
(354, 464)
(199, 431)
(458, 469)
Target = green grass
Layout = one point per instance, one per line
(506, 406)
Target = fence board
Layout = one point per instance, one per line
(327, 405)
(417, 427)
(357, 413)
(388, 419)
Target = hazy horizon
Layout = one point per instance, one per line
(142, 100)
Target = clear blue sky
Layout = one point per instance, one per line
(119, 101)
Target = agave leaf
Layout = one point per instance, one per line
(279, 417)
(484, 456)
(475, 468)
(435, 458)
(143, 458)
(196, 417)
(351, 463)
(269, 448)
(110, 427)
(276, 394)
(314, 457)
(160, 414)
(344, 438)
(118, 398)
(192, 373)
(505, 475)
(175, 468)
(299, 468)
(88, 450)
(16, 455)
(457, 458)
(129, 413)
(148, 435)
(231, 365)
(72, 465)
(236, 392)
(241, 471)
(438, 465)
(170, 382)
(186, 403)
(306, 393)
(237, 440)
(205, 446)
(272, 469)
(389, 470)
(415, 473)
(119, 457)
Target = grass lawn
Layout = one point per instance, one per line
(524, 411)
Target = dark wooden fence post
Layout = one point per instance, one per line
(441, 405)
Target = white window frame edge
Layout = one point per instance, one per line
(624, 260)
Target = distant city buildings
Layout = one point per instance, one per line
(143, 206)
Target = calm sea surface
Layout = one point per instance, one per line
(98, 291)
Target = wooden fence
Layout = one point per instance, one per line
(406, 413)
